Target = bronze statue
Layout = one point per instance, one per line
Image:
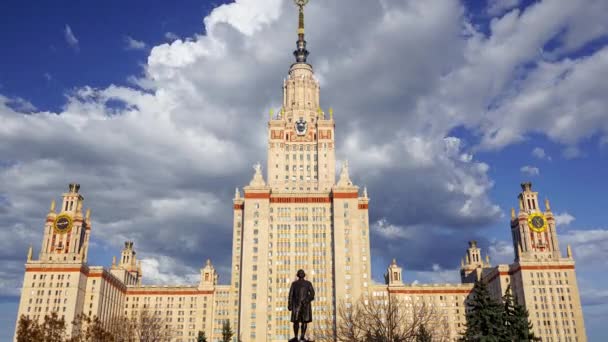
(301, 294)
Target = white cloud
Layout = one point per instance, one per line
(497, 7)
(158, 163)
(530, 170)
(390, 231)
(563, 219)
(171, 36)
(164, 270)
(70, 38)
(133, 44)
(590, 247)
(501, 252)
(437, 275)
(571, 152)
(540, 153)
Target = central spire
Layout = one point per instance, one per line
(301, 53)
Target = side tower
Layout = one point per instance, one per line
(66, 231)
(128, 270)
(541, 278)
(472, 265)
(56, 281)
(533, 230)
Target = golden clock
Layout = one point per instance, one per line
(62, 224)
(537, 222)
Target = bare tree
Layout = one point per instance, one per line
(143, 326)
(388, 319)
(89, 329)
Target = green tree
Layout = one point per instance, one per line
(227, 332)
(485, 316)
(201, 337)
(28, 330)
(423, 335)
(517, 325)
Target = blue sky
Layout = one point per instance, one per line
(158, 109)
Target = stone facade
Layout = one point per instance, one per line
(299, 217)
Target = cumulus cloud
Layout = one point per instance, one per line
(164, 270)
(540, 153)
(563, 219)
(530, 170)
(497, 7)
(18, 104)
(571, 152)
(133, 44)
(501, 252)
(590, 247)
(158, 160)
(70, 38)
(437, 275)
(171, 36)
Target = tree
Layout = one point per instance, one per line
(518, 327)
(53, 328)
(389, 319)
(89, 329)
(227, 332)
(201, 337)
(423, 335)
(485, 316)
(28, 330)
(142, 326)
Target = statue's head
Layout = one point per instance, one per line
(301, 274)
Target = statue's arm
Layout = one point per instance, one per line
(289, 300)
(311, 291)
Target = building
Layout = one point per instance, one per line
(298, 217)
(540, 277)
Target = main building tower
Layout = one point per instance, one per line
(299, 217)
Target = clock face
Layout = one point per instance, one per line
(301, 126)
(537, 222)
(62, 224)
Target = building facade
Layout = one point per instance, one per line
(298, 217)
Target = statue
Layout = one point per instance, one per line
(301, 294)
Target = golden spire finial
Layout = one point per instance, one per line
(301, 53)
(271, 112)
(331, 113)
(52, 206)
(301, 4)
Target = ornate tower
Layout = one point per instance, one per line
(208, 277)
(394, 274)
(301, 154)
(533, 230)
(299, 217)
(129, 268)
(66, 231)
(472, 264)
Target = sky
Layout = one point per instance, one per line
(159, 109)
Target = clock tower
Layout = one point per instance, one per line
(66, 230)
(533, 230)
